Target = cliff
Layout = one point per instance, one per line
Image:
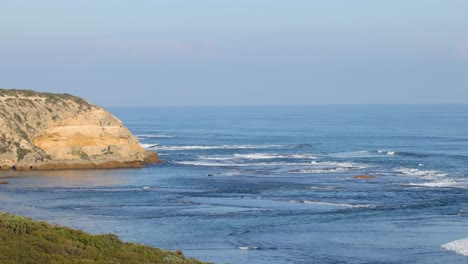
(40, 131)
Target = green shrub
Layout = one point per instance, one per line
(23, 240)
(21, 152)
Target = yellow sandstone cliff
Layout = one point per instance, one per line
(62, 131)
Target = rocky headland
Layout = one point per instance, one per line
(45, 131)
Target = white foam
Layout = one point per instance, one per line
(322, 188)
(316, 171)
(458, 246)
(437, 184)
(249, 248)
(154, 136)
(146, 188)
(148, 146)
(216, 157)
(219, 164)
(330, 166)
(234, 173)
(387, 152)
(216, 147)
(330, 204)
(274, 156)
(258, 156)
(424, 174)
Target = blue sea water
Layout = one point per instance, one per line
(275, 184)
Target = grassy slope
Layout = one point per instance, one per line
(23, 240)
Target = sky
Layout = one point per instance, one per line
(238, 52)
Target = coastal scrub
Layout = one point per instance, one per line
(23, 240)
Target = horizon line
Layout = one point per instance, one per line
(287, 105)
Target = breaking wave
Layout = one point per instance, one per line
(148, 146)
(220, 164)
(147, 136)
(458, 246)
(402, 153)
(169, 148)
(330, 204)
(423, 174)
(437, 184)
(258, 156)
(387, 152)
(330, 166)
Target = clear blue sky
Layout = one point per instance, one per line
(236, 52)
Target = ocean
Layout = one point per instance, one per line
(276, 184)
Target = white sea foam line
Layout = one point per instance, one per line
(331, 204)
(154, 136)
(388, 152)
(148, 146)
(215, 164)
(273, 156)
(248, 248)
(323, 170)
(215, 158)
(260, 156)
(424, 174)
(332, 164)
(325, 166)
(440, 184)
(216, 147)
(458, 246)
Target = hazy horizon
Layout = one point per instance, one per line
(212, 52)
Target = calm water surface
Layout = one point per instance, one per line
(282, 188)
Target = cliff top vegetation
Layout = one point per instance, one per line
(26, 241)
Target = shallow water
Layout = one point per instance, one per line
(283, 187)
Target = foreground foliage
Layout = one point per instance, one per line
(23, 240)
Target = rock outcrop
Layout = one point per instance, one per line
(365, 177)
(62, 131)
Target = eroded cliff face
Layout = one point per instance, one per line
(60, 131)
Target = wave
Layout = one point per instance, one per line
(353, 154)
(424, 174)
(249, 248)
(274, 156)
(317, 167)
(169, 148)
(387, 152)
(330, 204)
(402, 153)
(323, 188)
(259, 156)
(219, 164)
(457, 246)
(154, 136)
(330, 166)
(148, 146)
(316, 171)
(437, 184)
(332, 163)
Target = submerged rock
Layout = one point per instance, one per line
(365, 177)
(44, 131)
